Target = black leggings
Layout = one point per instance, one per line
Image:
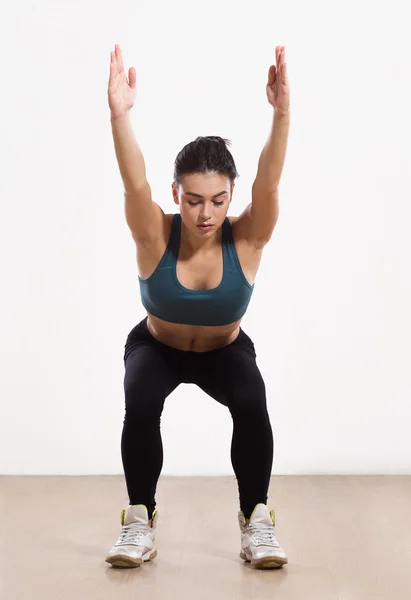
(229, 375)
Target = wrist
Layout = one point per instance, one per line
(278, 114)
(119, 117)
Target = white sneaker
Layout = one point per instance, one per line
(136, 543)
(259, 545)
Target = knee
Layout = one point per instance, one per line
(249, 400)
(144, 404)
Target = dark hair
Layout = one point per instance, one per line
(203, 155)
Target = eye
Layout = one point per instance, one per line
(191, 203)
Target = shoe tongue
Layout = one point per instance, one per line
(136, 513)
(261, 514)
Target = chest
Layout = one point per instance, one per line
(205, 271)
(202, 271)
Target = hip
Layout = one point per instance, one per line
(144, 333)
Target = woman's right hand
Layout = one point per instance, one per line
(121, 92)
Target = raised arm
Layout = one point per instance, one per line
(264, 206)
(144, 217)
(256, 223)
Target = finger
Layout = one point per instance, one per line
(284, 79)
(279, 65)
(132, 77)
(115, 61)
(116, 69)
(119, 57)
(285, 74)
(271, 75)
(113, 67)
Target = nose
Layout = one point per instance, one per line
(205, 214)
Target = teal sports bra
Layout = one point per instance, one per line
(166, 298)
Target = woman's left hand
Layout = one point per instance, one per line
(278, 90)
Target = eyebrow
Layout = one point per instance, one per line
(199, 195)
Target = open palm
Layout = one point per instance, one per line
(121, 91)
(278, 86)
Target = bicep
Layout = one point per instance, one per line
(257, 221)
(144, 217)
(264, 211)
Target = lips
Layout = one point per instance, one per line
(205, 226)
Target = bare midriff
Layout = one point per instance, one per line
(192, 338)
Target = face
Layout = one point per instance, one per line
(204, 200)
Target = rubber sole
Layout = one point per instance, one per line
(124, 561)
(267, 562)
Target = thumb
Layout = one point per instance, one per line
(272, 73)
(132, 77)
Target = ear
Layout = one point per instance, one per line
(175, 194)
(232, 191)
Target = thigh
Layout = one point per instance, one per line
(231, 376)
(150, 376)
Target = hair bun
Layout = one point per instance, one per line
(217, 138)
(205, 155)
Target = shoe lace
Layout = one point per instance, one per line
(263, 535)
(132, 534)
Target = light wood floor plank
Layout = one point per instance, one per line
(346, 537)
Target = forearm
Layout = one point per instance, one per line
(129, 156)
(272, 158)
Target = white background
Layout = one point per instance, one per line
(330, 315)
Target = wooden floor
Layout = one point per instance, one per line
(346, 537)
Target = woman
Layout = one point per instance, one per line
(196, 273)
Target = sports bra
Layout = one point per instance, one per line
(166, 298)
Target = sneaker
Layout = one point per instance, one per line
(136, 542)
(259, 545)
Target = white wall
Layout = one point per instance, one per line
(330, 316)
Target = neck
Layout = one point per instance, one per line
(193, 243)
